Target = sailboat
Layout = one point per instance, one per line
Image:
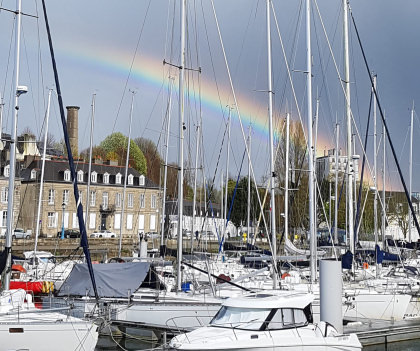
(22, 325)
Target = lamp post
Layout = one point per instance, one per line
(63, 205)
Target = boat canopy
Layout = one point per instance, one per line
(280, 299)
(112, 279)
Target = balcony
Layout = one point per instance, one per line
(107, 208)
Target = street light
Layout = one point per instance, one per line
(63, 205)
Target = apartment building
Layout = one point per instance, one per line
(104, 205)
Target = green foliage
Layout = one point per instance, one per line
(116, 145)
(153, 159)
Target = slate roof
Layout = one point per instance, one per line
(54, 172)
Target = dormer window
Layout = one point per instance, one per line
(66, 175)
(80, 176)
(7, 171)
(118, 178)
(130, 179)
(106, 178)
(33, 174)
(141, 180)
(94, 177)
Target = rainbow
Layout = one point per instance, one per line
(151, 72)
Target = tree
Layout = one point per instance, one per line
(239, 211)
(398, 211)
(116, 145)
(153, 159)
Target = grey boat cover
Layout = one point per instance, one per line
(112, 279)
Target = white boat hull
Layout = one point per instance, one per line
(42, 336)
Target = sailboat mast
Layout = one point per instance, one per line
(248, 216)
(410, 190)
(312, 232)
(41, 185)
(195, 187)
(375, 177)
(286, 179)
(227, 175)
(314, 161)
(12, 164)
(92, 125)
(181, 146)
(272, 171)
(383, 189)
(337, 134)
(126, 174)
(350, 221)
(1, 116)
(165, 166)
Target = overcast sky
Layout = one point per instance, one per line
(109, 47)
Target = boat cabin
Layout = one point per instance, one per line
(261, 312)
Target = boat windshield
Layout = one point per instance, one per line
(240, 318)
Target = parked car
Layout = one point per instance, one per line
(19, 233)
(69, 233)
(103, 234)
(152, 235)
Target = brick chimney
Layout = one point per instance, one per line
(73, 128)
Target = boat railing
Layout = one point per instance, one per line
(172, 322)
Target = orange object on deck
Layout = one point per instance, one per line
(18, 267)
(284, 275)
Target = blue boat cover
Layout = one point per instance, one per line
(385, 256)
(347, 260)
(112, 279)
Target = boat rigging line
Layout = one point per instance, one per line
(385, 125)
(83, 235)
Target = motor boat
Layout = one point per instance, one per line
(274, 321)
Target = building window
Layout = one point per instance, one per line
(141, 180)
(93, 198)
(130, 179)
(81, 196)
(66, 196)
(75, 221)
(4, 219)
(142, 202)
(33, 174)
(153, 201)
(92, 220)
(130, 200)
(117, 221)
(52, 220)
(7, 171)
(4, 194)
(141, 222)
(118, 178)
(94, 177)
(80, 176)
(118, 200)
(51, 196)
(106, 178)
(152, 222)
(67, 175)
(129, 221)
(105, 200)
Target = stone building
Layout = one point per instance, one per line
(4, 194)
(58, 207)
(25, 146)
